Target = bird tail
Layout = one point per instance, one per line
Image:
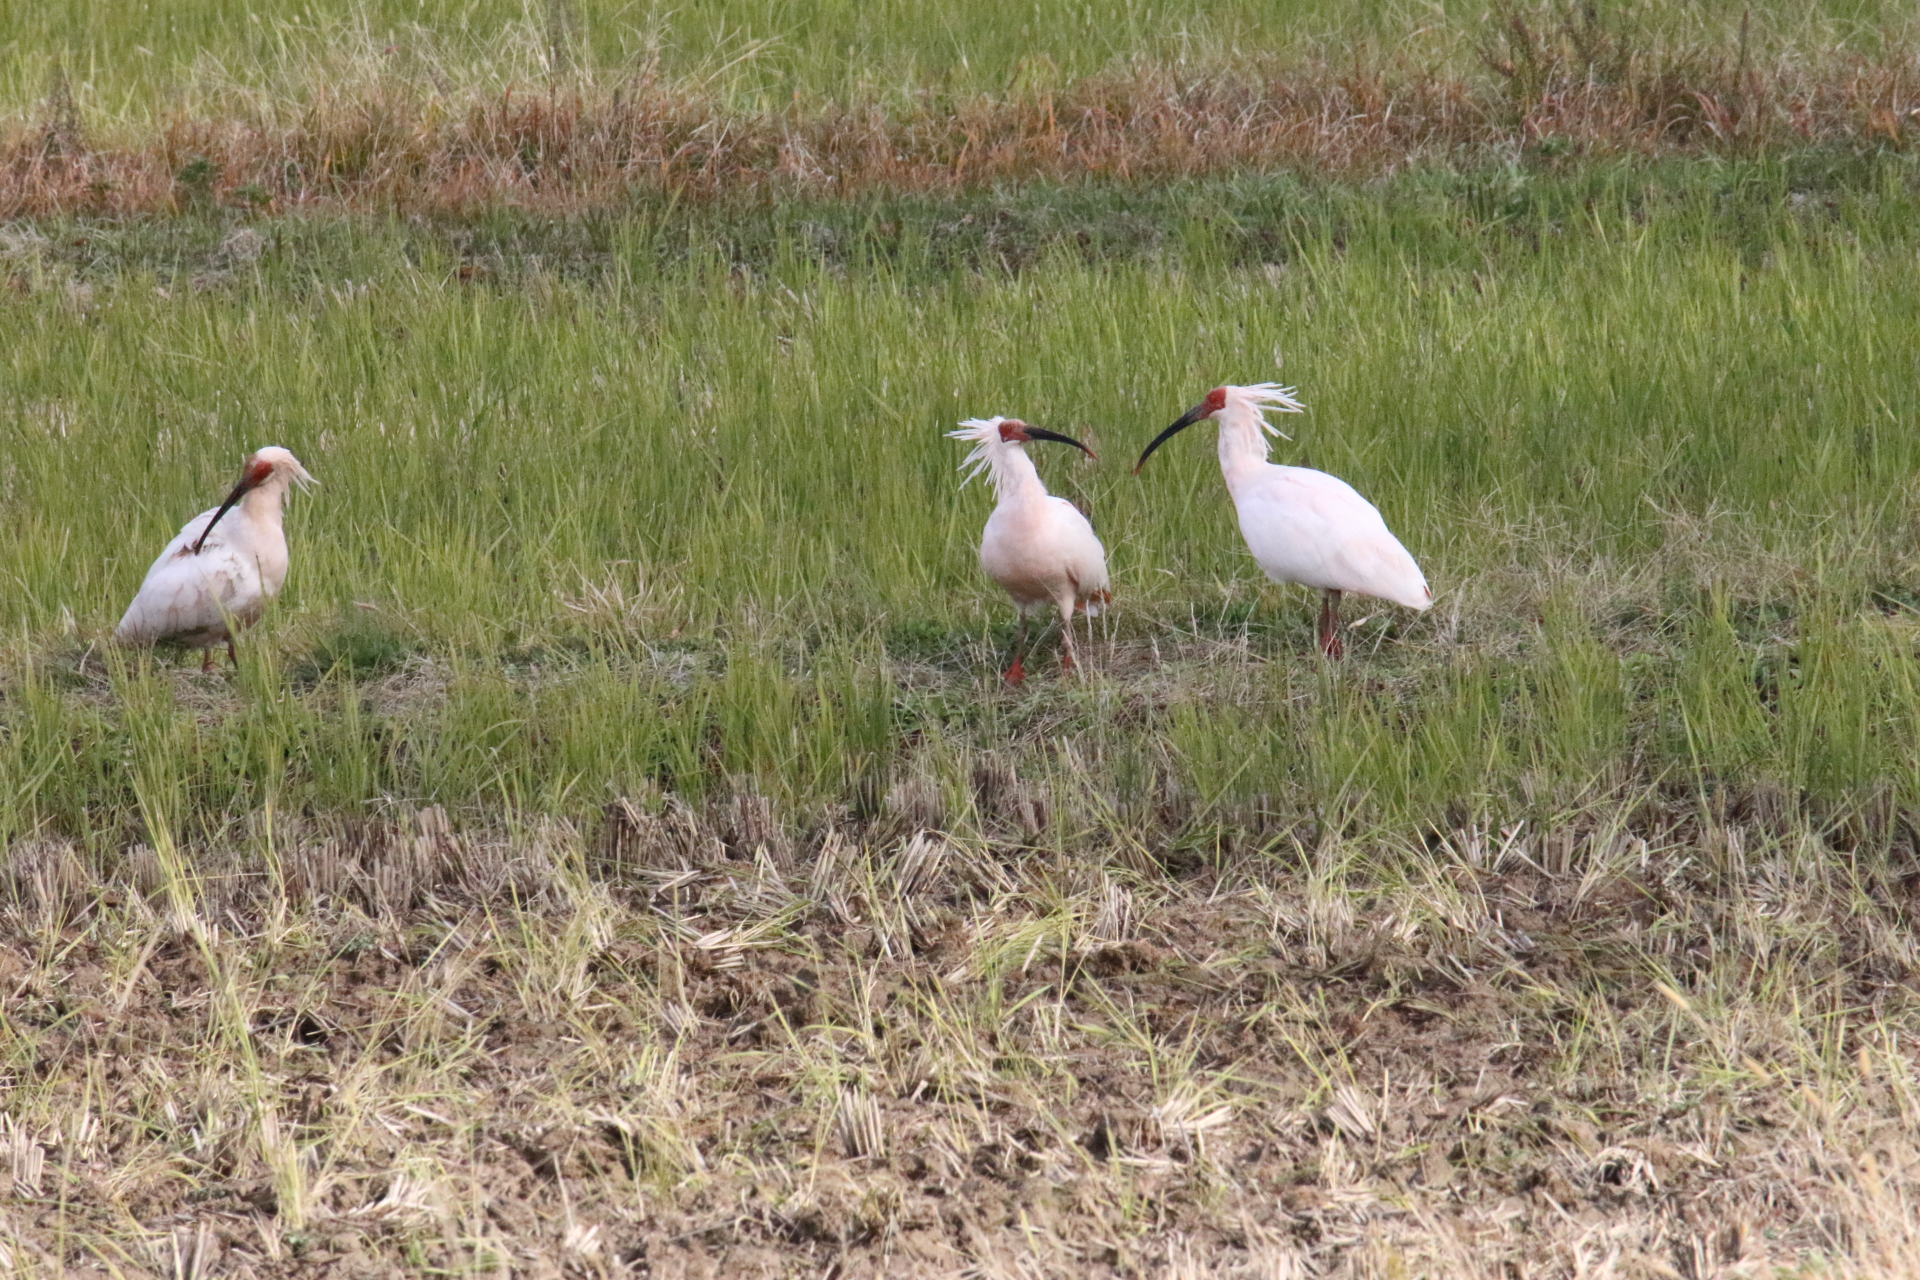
(1096, 604)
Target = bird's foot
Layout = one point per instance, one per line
(1331, 646)
(1016, 674)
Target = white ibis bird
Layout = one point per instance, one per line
(1038, 547)
(1302, 525)
(222, 568)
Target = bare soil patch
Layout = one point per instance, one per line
(653, 1051)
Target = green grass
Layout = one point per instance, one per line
(129, 61)
(673, 524)
(616, 852)
(763, 930)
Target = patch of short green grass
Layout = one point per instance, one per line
(683, 525)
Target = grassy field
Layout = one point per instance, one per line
(619, 812)
(131, 61)
(616, 855)
(568, 110)
(699, 526)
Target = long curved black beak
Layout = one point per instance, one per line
(1187, 419)
(239, 492)
(1041, 433)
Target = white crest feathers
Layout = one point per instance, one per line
(985, 434)
(1262, 396)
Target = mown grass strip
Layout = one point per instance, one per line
(424, 123)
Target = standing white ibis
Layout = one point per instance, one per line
(222, 568)
(1036, 546)
(1302, 525)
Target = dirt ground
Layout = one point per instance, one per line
(670, 1048)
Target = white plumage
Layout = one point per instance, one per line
(222, 568)
(1302, 525)
(1039, 548)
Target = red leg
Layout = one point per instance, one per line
(1067, 655)
(232, 656)
(206, 661)
(1330, 626)
(1016, 673)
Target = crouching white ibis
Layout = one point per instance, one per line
(1302, 525)
(1036, 546)
(222, 568)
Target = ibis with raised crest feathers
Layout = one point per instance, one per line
(1038, 547)
(1302, 525)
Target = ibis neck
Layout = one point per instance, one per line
(262, 504)
(1243, 446)
(1014, 477)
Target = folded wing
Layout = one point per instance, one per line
(188, 598)
(1309, 527)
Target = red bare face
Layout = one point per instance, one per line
(256, 473)
(1014, 431)
(1216, 401)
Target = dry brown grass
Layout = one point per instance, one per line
(382, 128)
(693, 1044)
